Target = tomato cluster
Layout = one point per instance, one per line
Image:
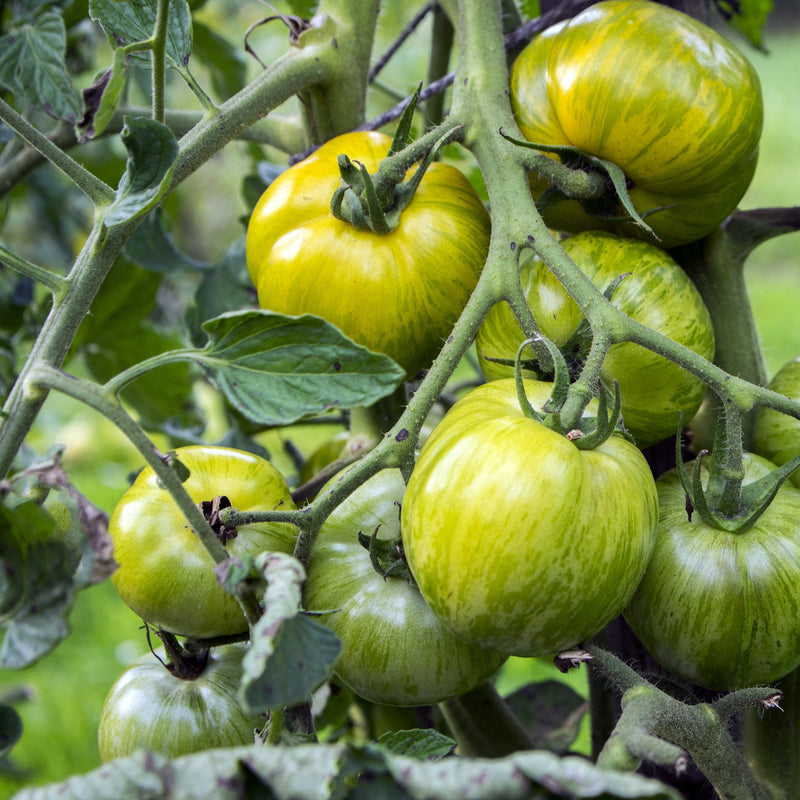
(512, 536)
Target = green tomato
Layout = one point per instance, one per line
(149, 707)
(165, 573)
(397, 293)
(776, 436)
(519, 540)
(656, 393)
(719, 608)
(394, 650)
(664, 97)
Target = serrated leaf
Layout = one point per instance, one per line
(10, 729)
(100, 100)
(128, 21)
(152, 150)
(290, 654)
(152, 248)
(276, 369)
(32, 67)
(321, 771)
(423, 743)
(226, 63)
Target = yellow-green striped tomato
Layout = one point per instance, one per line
(656, 393)
(395, 651)
(719, 608)
(517, 539)
(397, 293)
(776, 436)
(149, 707)
(165, 573)
(658, 93)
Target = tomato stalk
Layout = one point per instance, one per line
(657, 727)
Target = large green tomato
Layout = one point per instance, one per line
(149, 707)
(165, 573)
(656, 393)
(720, 608)
(394, 650)
(776, 436)
(658, 93)
(397, 293)
(519, 540)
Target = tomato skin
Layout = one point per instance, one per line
(717, 608)
(776, 436)
(398, 293)
(518, 540)
(150, 708)
(395, 651)
(656, 393)
(658, 93)
(165, 574)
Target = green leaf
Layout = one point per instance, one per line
(128, 21)
(151, 247)
(276, 369)
(551, 713)
(530, 8)
(422, 743)
(304, 9)
(290, 654)
(37, 590)
(323, 771)
(749, 17)
(226, 63)
(152, 150)
(100, 100)
(32, 67)
(10, 729)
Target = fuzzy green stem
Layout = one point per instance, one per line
(97, 191)
(158, 59)
(56, 283)
(483, 724)
(48, 377)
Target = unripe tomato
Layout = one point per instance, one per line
(721, 608)
(165, 573)
(664, 97)
(149, 707)
(394, 649)
(519, 540)
(396, 293)
(776, 436)
(656, 393)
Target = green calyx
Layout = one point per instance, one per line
(387, 556)
(725, 501)
(375, 202)
(588, 432)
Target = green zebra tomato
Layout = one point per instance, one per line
(656, 393)
(664, 97)
(150, 707)
(719, 608)
(517, 539)
(165, 574)
(394, 650)
(776, 436)
(397, 293)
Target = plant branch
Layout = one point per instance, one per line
(97, 191)
(158, 74)
(53, 281)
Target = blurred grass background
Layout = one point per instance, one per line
(67, 688)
